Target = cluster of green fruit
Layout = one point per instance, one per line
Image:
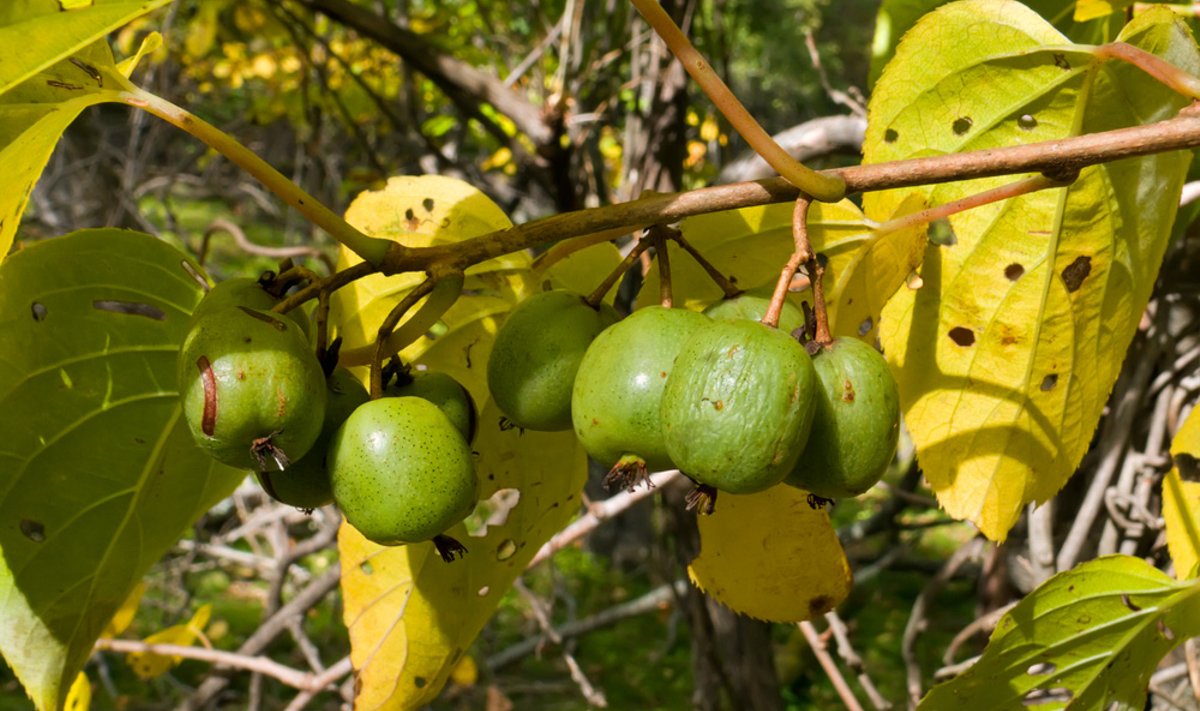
(736, 405)
(256, 396)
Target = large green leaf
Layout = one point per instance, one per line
(35, 34)
(1086, 639)
(1006, 356)
(98, 474)
(33, 116)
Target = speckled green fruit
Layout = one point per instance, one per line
(252, 392)
(244, 291)
(618, 390)
(442, 390)
(537, 352)
(401, 471)
(738, 406)
(305, 484)
(857, 423)
(752, 305)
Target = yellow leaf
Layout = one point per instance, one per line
(124, 614)
(752, 245)
(466, 672)
(500, 159)
(771, 556)
(412, 616)
(873, 274)
(148, 665)
(79, 697)
(150, 43)
(1091, 9)
(1181, 498)
(1006, 355)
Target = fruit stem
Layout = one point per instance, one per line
(826, 188)
(570, 246)
(329, 284)
(597, 296)
(816, 271)
(727, 285)
(371, 249)
(659, 234)
(800, 255)
(443, 289)
(1167, 74)
(322, 324)
(410, 299)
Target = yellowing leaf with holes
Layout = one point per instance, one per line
(79, 698)
(1181, 498)
(789, 569)
(751, 245)
(874, 273)
(148, 665)
(412, 616)
(1005, 356)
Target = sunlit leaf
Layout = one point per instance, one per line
(151, 43)
(752, 245)
(1091, 9)
(124, 615)
(79, 698)
(35, 34)
(1085, 639)
(412, 616)
(1181, 498)
(148, 665)
(581, 271)
(789, 568)
(33, 116)
(1006, 355)
(98, 474)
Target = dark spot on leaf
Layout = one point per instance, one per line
(427, 203)
(847, 391)
(1057, 695)
(1041, 668)
(89, 70)
(1049, 382)
(272, 321)
(890, 135)
(1075, 272)
(1014, 271)
(961, 125)
(208, 423)
(410, 215)
(138, 440)
(865, 327)
(130, 308)
(39, 311)
(419, 681)
(820, 604)
(822, 259)
(1128, 602)
(491, 477)
(1060, 61)
(719, 405)
(1188, 466)
(33, 530)
(962, 336)
(1027, 122)
(63, 85)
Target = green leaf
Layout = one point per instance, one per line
(35, 34)
(98, 474)
(1084, 639)
(1005, 357)
(33, 117)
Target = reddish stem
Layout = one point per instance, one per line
(1168, 74)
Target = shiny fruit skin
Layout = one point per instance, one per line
(857, 423)
(752, 305)
(244, 291)
(537, 352)
(247, 377)
(618, 389)
(445, 392)
(401, 471)
(738, 406)
(305, 484)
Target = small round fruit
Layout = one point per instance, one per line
(442, 390)
(738, 406)
(753, 305)
(401, 471)
(537, 352)
(244, 291)
(857, 423)
(618, 390)
(253, 394)
(305, 484)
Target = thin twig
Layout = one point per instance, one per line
(615, 275)
(727, 285)
(845, 650)
(831, 669)
(261, 665)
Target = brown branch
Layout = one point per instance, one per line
(831, 669)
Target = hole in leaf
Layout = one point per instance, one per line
(483, 591)
(366, 567)
(427, 203)
(1060, 61)
(130, 308)
(1041, 668)
(961, 125)
(1057, 695)
(195, 274)
(39, 311)
(1049, 382)
(1166, 632)
(33, 530)
(1188, 466)
(1014, 271)
(1027, 122)
(865, 327)
(1075, 272)
(942, 234)
(890, 135)
(507, 549)
(1128, 602)
(492, 511)
(962, 336)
